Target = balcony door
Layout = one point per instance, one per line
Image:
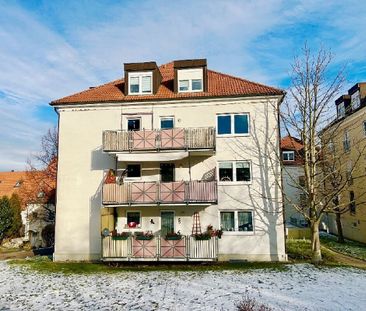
(167, 222)
(167, 172)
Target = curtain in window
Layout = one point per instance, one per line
(227, 221)
(146, 84)
(167, 222)
(226, 171)
(242, 171)
(245, 221)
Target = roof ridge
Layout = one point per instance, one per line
(245, 80)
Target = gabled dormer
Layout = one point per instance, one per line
(190, 76)
(357, 95)
(142, 78)
(343, 104)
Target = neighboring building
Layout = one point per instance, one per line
(293, 179)
(346, 138)
(169, 149)
(34, 216)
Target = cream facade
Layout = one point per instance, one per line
(248, 209)
(348, 142)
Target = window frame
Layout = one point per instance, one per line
(127, 178)
(139, 75)
(236, 221)
(174, 217)
(232, 124)
(167, 118)
(190, 83)
(140, 217)
(288, 152)
(234, 181)
(133, 118)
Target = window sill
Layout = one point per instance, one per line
(234, 183)
(231, 135)
(238, 233)
(190, 91)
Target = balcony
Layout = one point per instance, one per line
(178, 192)
(159, 249)
(159, 140)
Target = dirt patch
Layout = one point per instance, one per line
(16, 254)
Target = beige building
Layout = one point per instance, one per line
(293, 180)
(157, 165)
(348, 142)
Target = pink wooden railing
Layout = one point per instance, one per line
(168, 139)
(158, 192)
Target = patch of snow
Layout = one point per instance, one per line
(301, 287)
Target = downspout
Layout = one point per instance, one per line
(57, 167)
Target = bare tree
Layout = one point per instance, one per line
(304, 113)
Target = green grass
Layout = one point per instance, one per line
(300, 251)
(350, 248)
(45, 265)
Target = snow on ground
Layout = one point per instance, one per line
(301, 287)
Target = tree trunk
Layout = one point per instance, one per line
(339, 228)
(315, 243)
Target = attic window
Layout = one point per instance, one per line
(190, 80)
(140, 83)
(288, 155)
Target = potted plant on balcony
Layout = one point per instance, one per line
(148, 235)
(173, 236)
(120, 236)
(214, 232)
(111, 177)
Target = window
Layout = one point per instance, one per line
(331, 146)
(352, 202)
(302, 181)
(140, 83)
(236, 221)
(346, 142)
(133, 170)
(233, 124)
(190, 80)
(133, 124)
(349, 177)
(234, 171)
(166, 122)
(355, 100)
(167, 223)
(167, 172)
(133, 219)
(288, 155)
(341, 111)
(302, 200)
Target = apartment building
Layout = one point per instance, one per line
(170, 163)
(346, 138)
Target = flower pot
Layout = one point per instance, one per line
(142, 237)
(175, 238)
(202, 238)
(120, 237)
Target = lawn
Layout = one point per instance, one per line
(45, 265)
(350, 248)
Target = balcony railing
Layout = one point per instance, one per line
(156, 140)
(158, 249)
(178, 192)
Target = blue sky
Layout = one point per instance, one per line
(50, 49)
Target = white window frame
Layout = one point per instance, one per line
(134, 118)
(190, 90)
(126, 224)
(341, 110)
(234, 181)
(232, 124)
(140, 75)
(355, 100)
(167, 118)
(133, 178)
(288, 153)
(236, 222)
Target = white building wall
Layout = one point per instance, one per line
(82, 161)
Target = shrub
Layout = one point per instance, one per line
(48, 235)
(10, 218)
(250, 304)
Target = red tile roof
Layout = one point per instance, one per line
(291, 143)
(219, 85)
(8, 182)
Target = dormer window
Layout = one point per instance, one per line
(355, 100)
(140, 83)
(190, 80)
(288, 155)
(341, 111)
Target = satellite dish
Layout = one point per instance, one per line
(105, 232)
